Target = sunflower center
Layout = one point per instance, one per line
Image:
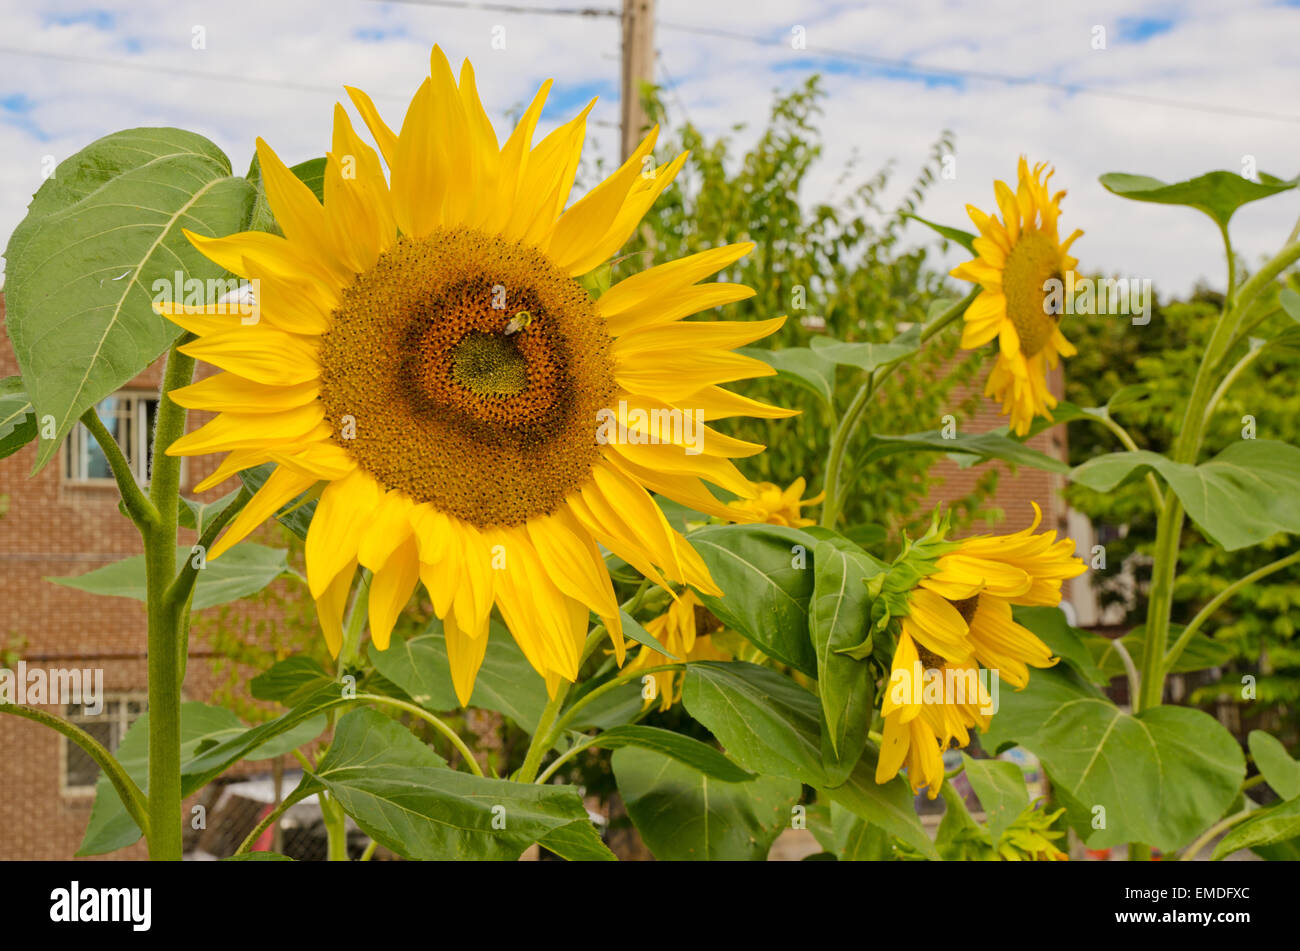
(467, 371)
(489, 365)
(1034, 260)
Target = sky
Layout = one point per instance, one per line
(1006, 77)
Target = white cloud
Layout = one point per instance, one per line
(1197, 51)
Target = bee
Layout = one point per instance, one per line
(519, 322)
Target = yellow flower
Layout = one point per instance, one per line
(679, 630)
(1015, 259)
(955, 620)
(424, 350)
(985, 575)
(775, 506)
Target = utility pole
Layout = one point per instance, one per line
(638, 67)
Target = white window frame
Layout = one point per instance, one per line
(77, 455)
(116, 708)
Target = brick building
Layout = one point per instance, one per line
(65, 521)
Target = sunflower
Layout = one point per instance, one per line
(1015, 258)
(953, 601)
(684, 630)
(778, 506)
(1031, 838)
(425, 359)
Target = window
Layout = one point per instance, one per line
(129, 418)
(108, 727)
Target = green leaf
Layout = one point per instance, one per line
(633, 630)
(1066, 642)
(243, 570)
(289, 679)
(621, 705)
(403, 796)
(17, 420)
(1278, 823)
(686, 750)
(684, 814)
(257, 857)
(1218, 194)
(1239, 498)
(764, 573)
(964, 238)
(215, 760)
(1161, 777)
(772, 726)
(1000, 787)
(294, 515)
(506, 682)
(1281, 772)
(199, 515)
(111, 826)
(982, 446)
(839, 616)
(801, 366)
(863, 356)
(85, 265)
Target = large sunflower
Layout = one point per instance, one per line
(1015, 258)
(426, 359)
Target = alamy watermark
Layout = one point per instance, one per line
(637, 426)
(1110, 296)
(57, 685)
(947, 685)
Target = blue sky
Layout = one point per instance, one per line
(72, 71)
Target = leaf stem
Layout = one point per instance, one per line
(130, 794)
(1213, 605)
(433, 721)
(137, 503)
(273, 816)
(1222, 826)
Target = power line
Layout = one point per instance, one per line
(1004, 78)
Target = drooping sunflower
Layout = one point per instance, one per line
(425, 358)
(1015, 259)
(684, 630)
(953, 600)
(778, 506)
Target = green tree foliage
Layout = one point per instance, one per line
(836, 268)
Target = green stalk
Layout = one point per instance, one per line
(273, 816)
(165, 662)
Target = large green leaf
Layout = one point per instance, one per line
(401, 793)
(17, 420)
(862, 356)
(685, 814)
(765, 573)
(690, 752)
(1239, 498)
(1218, 194)
(82, 266)
(1000, 787)
(199, 515)
(1278, 823)
(772, 726)
(111, 826)
(1161, 777)
(506, 682)
(839, 615)
(801, 366)
(289, 679)
(1280, 771)
(243, 570)
(977, 447)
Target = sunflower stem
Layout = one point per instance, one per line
(166, 619)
